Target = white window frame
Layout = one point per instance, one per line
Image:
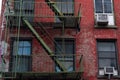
(111, 19)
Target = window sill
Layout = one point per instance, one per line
(106, 27)
(106, 77)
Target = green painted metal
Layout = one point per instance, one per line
(81, 69)
(61, 66)
(47, 75)
(55, 9)
(79, 14)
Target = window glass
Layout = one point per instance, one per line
(65, 48)
(98, 6)
(107, 54)
(27, 8)
(65, 6)
(69, 46)
(24, 48)
(107, 62)
(103, 46)
(27, 43)
(103, 6)
(21, 56)
(107, 6)
(20, 64)
(28, 5)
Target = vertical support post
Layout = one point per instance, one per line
(63, 28)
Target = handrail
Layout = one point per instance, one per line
(39, 9)
(61, 66)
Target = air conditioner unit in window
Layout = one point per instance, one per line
(101, 72)
(109, 70)
(102, 19)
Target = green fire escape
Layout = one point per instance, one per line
(22, 19)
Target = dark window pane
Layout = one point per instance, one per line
(28, 5)
(58, 47)
(98, 6)
(65, 48)
(107, 6)
(65, 6)
(107, 62)
(21, 56)
(103, 6)
(69, 46)
(20, 64)
(27, 8)
(107, 54)
(68, 65)
(106, 46)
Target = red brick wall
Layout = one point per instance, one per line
(85, 40)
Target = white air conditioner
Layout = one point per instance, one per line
(101, 72)
(102, 19)
(109, 70)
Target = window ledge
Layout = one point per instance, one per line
(106, 27)
(106, 77)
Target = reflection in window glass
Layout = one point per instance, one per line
(24, 47)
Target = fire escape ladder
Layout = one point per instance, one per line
(44, 31)
(55, 9)
(49, 51)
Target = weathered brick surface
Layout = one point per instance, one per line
(85, 40)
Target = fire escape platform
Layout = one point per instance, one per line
(45, 75)
(46, 12)
(43, 13)
(68, 22)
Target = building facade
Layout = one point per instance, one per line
(60, 40)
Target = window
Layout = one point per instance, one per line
(107, 54)
(66, 7)
(27, 8)
(64, 48)
(27, 5)
(103, 6)
(21, 56)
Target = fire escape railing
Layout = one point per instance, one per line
(44, 45)
(37, 15)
